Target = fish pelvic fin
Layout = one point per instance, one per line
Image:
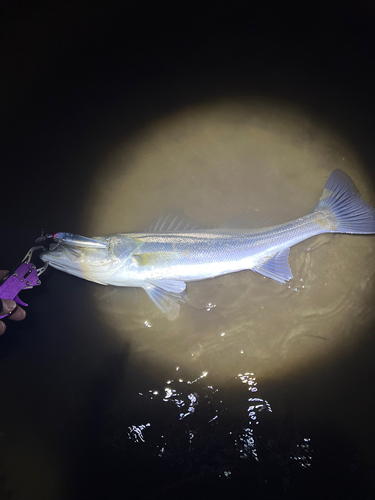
(350, 214)
(167, 302)
(168, 285)
(277, 267)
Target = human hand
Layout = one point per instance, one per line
(10, 307)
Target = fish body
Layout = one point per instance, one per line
(172, 253)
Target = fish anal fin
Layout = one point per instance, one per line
(167, 302)
(277, 267)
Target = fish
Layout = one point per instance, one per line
(175, 251)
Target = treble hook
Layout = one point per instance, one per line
(43, 237)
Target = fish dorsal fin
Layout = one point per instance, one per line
(277, 267)
(173, 222)
(167, 302)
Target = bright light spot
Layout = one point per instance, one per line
(191, 436)
(151, 157)
(168, 393)
(135, 432)
(204, 374)
(249, 379)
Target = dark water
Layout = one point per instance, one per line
(110, 116)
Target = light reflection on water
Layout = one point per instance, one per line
(192, 424)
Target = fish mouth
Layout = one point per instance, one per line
(76, 261)
(62, 257)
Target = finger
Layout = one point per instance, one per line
(3, 273)
(2, 327)
(7, 306)
(18, 314)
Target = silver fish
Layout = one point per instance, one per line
(174, 252)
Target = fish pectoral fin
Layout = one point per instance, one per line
(173, 286)
(277, 267)
(167, 302)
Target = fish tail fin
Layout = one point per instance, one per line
(349, 213)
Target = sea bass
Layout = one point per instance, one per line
(173, 251)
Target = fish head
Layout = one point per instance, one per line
(93, 264)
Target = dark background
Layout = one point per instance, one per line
(75, 80)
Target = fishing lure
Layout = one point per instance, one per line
(72, 240)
